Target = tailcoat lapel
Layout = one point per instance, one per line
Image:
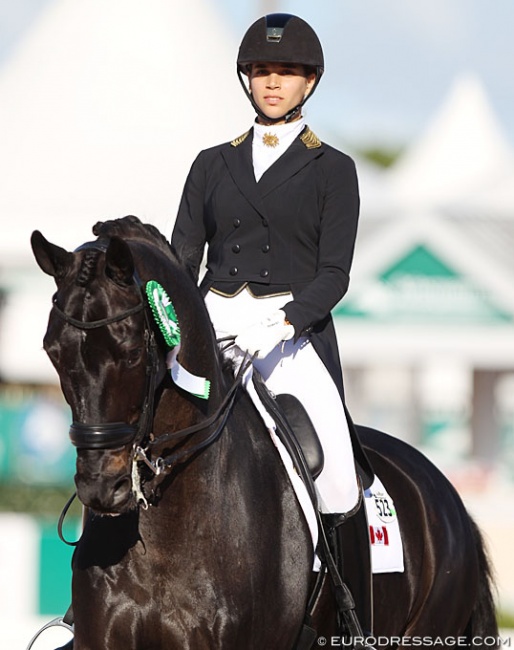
(238, 159)
(293, 159)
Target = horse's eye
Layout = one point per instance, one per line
(133, 357)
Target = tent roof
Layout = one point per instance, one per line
(104, 107)
(462, 150)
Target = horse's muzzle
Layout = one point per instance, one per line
(110, 435)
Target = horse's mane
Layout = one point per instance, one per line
(132, 227)
(129, 227)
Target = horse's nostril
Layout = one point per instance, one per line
(110, 499)
(121, 490)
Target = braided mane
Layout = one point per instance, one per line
(132, 227)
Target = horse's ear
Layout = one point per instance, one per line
(119, 263)
(52, 259)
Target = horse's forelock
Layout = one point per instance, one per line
(87, 268)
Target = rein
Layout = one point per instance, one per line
(217, 420)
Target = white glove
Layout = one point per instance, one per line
(262, 337)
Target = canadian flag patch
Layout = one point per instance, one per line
(378, 535)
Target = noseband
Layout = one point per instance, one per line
(113, 435)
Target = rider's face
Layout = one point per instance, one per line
(279, 87)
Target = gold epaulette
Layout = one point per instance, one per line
(241, 138)
(310, 139)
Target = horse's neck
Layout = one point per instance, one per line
(198, 352)
(236, 461)
(178, 409)
(243, 436)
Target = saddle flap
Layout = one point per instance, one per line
(304, 431)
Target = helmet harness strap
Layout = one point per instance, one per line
(290, 115)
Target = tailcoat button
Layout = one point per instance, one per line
(236, 222)
(236, 248)
(233, 270)
(265, 248)
(264, 273)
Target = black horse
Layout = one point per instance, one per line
(195, 538)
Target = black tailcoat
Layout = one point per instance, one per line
(293, 231)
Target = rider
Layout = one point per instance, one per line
(278, 211)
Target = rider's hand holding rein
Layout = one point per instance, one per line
(262, 337)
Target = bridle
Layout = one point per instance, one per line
(115, 435)
(213, 425)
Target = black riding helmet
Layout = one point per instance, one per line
(280, 38)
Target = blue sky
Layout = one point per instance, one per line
(389, 65)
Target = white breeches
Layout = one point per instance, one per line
(295, 368)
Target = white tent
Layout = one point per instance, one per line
(462, 152)
(494, 199)
(103, 107)
(428, 321)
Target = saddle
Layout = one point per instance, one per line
(296, 431)
(303, 429)
(293, 421)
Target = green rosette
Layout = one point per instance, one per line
(163, 313)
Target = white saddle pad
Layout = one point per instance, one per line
(384, 530)
(386, 542)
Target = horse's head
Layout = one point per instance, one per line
(101, 340)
